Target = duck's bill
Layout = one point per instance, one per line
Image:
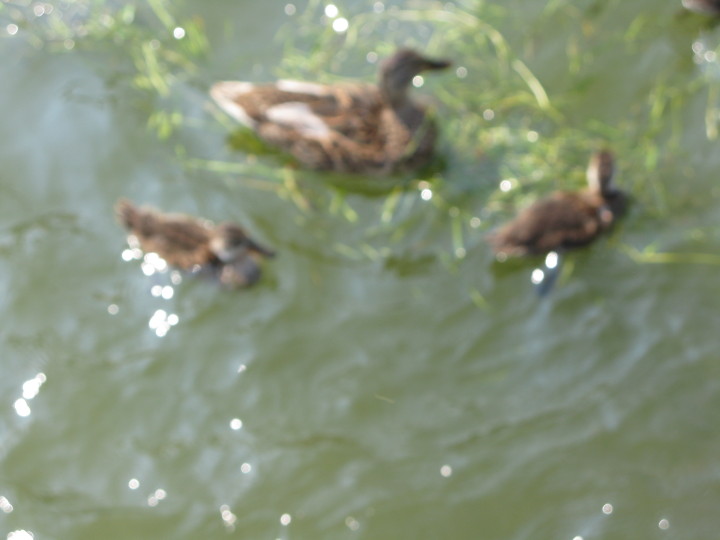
(257, 248)
(437, 64)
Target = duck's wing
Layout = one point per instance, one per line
(182, 241)
(562, 220)
(308, 110)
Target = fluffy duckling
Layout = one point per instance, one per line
(565, 219)
(193, 244)
(352, 128)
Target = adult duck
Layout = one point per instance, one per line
(188, 243)
(565, 219)
(351, 128)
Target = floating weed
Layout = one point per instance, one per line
(650, 256)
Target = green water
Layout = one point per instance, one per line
(386, 379)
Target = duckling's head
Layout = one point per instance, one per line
(397, 72)
(601, 173)
(230, 241)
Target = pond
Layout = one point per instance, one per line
(387, 377)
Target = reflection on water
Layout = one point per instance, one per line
(228, 517)
(30, 389)
(5, 505)
(157, 496)
(161, 321)
(522, 422)
(20, 535)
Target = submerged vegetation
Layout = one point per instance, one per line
(509, 130)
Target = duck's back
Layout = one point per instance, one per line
(181, 240)
(562, 220)
(341, 127)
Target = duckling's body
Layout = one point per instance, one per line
(355, 128)
(564, 219)
(193, 244)
(706, 7)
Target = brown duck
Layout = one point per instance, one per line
(353, 128)
(706, 7)
(193, 244)
(565, 219)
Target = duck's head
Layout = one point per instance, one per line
(231, 240)
(397, 72)
(601, 173)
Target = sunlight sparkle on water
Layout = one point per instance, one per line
(113, 309)
(578, 538)
(551, 260)
(235, 424)
(475, 222)
(31, 388)
(20, 535)
(227, 516)
(607, 509)
(352, 523)
(664, 524)
(488, 114)
(131, 254)
(290, 10)
(537, 276)
(179, 32)
(245, 468)
(461, 72)
(340, 25)
(506, 185)
(12, 29)
(285, 519)
(371, 57)
(156, 497)
(22, 408)
(5, 505)
(152, 262)
(378, 7)
(425, 192)
(161, 322)
(331, 11)
(134, 483)
(446, 471)
(418, 81)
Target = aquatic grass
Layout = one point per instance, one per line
(650, 255)
(501, 123)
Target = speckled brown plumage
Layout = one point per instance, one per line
(194, 244)
(565, 219)
(356, 128)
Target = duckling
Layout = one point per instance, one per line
(706, 7)
(194, 244)
(352, 128)
(565, 219)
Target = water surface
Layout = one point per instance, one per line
(387, 378)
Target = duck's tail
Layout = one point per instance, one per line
(127, 213)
